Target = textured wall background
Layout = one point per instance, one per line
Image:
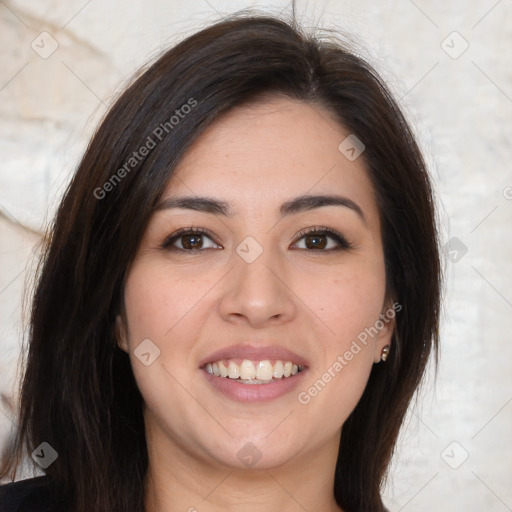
(448, 62)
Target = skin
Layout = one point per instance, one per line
(312, 301)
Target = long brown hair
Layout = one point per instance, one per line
(78, 391)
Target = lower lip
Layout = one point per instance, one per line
(235, 389)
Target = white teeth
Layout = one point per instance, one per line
(247, 370)
(278, 370)
(233, 370)
(262, 371)
(223, 369)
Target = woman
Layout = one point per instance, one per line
(240, 291)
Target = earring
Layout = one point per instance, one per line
(384, 353)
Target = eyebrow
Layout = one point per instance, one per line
(290, 207)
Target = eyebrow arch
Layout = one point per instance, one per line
(305, 203)
(290, 207)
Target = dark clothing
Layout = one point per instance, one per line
(30, 495)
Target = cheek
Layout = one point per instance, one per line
(158, 300)
(346, 304)
(168, 308)
(160, 308)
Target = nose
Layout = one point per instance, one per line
(258, 293)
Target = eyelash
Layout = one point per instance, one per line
(344, 244)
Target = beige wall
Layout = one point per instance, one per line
(460, 101)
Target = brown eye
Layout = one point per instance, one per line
(315, 241)
(188, 240)
(323, 240)
(191, 241)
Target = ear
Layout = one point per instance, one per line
(386, 326)
(121, 333)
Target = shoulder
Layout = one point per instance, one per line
(30, 495)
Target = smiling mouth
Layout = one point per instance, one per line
(245, 371)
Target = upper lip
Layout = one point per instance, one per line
(254, 353)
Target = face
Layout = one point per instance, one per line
(253, 277)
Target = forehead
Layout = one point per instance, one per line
(263, 153)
